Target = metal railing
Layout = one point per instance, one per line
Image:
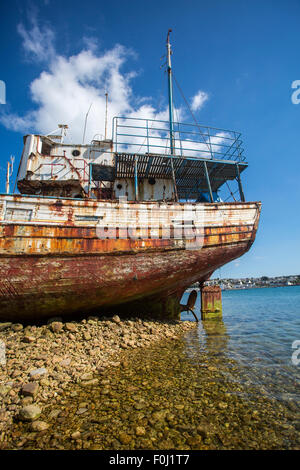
(138, 135)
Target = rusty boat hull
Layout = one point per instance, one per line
(54, 261)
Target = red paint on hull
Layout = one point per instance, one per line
(33, 288)
(63, 268)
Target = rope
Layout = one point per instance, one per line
(232, 194)
(196, 122)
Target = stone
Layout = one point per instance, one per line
(202, 431)
(140, 431)
(56, 359)
(83, 405)
(81, 411)
(44, 382)
(194, 441)
(116, 319)
(159, 415)
(39, 426)
(125, 438)
(91, 382)
(70, 327)
(76, 435)
(40, 371)
(56, 326)
(27, 401)
(222, 405)
(87, 376)
(30, 389)
(5, 325)
(87, 336)
(179, 407)
(4, 390)
(17, 327)
(30, 413)
(140, 405)
(29, 339)
(16, 373)
(54, 414)
(65, 362)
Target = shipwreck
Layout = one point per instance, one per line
(123, 224)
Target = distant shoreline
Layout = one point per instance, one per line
(259, 287)
(245, 288)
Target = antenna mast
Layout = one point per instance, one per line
(106, 95)
(86, 116)
(170, 89)
(10, 169)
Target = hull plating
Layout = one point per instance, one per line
(54, 263)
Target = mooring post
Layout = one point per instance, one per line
(211, 302)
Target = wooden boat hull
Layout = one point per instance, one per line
(64, 269)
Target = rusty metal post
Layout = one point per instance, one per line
(211, 302)
(90, 179)
(136, 184)
(208, 182)
(242, 196)
(174, 180)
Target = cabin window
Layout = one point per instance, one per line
(46, 149)
(88, 218)
(76, 153)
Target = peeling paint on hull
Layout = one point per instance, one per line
(64, 269)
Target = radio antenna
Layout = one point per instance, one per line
(106, 100)
(86, 116)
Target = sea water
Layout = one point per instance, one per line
(259, 330)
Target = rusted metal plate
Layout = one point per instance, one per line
(211, 302)
(36, 287)
(54, 261)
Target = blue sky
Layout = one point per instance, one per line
(57, 57)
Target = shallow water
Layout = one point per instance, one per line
(258, 330)
(224, 385)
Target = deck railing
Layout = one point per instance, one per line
(190, 140)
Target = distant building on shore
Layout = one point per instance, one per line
(255, 282)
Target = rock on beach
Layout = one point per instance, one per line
(30, 412)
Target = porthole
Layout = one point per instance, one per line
(151, 181)
(75, 153)
(119, 186)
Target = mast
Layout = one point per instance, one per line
(170, 89)
(106, 96)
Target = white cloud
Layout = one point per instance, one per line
(65, 89)
(38, 43)
(198, 100)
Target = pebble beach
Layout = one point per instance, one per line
(132, 384)
(42, 362)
